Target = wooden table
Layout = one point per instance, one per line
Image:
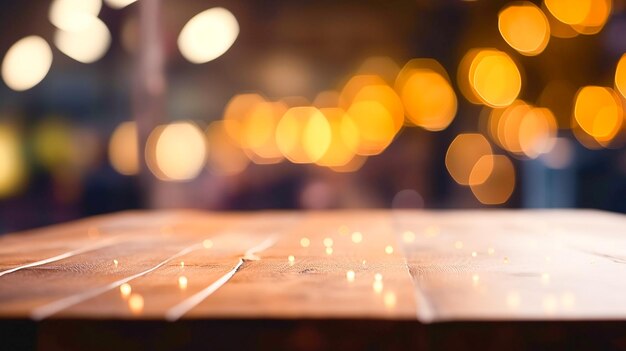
(312, 280)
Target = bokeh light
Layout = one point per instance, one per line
(258, 131)
(124, 149)
(86, 45)
(73, 15)
(596, 17)
(463, 154)
(504, 125)
(176, 152)
(344, 138)
(524, 27)
(53, 144)
(428, 97)
(375, 126)
(208, 35)
(354, 86)
(12, 166)
(537, 132)
(386, 96)
(224, 156)
(620, 76)
(561, 156)
(498, 187)
(494, 78)
(303, 134)
(599, 112)
(118, 4)
(570, 11)
(558, 29)
(26, 63)
(235, 113)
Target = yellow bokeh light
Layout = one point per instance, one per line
(375, 126)
(208, 35)
(124, 149)
(182, 282)
(537, 132)
(558, 29)
(176, 152)
(224, 156)
(596, 19)
(73, 15)
(429, 100)
(354, 86)
(236, 111)
(620, 76)
(570, 11)
(53, 144)
(86, 45)
(499, 185)
(344, 138)
(463, 153)
(582, 16)
(303, 134)
(386, 96)
(524, 27)
(599, 112)
(463, 76)
(494, 78)
(509, 126)
(258, 130)
(125, 290)
(26, 63)
(136, 303)
(12, 166)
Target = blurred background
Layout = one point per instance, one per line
(245, 105)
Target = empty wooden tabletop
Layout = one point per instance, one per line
(424, 266)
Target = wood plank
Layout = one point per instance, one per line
(528, 265)
(519, 265)
(315, 284)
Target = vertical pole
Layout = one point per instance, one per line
(149, 86)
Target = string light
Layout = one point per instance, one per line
(357, 237)
(136, 303)
(408, 236)
(328, 242)
(389, 299)
(125, 290)
(350, 276)
(305, 242)
(207, 243)
(182, 282)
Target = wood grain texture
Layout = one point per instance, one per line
(441, 266)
